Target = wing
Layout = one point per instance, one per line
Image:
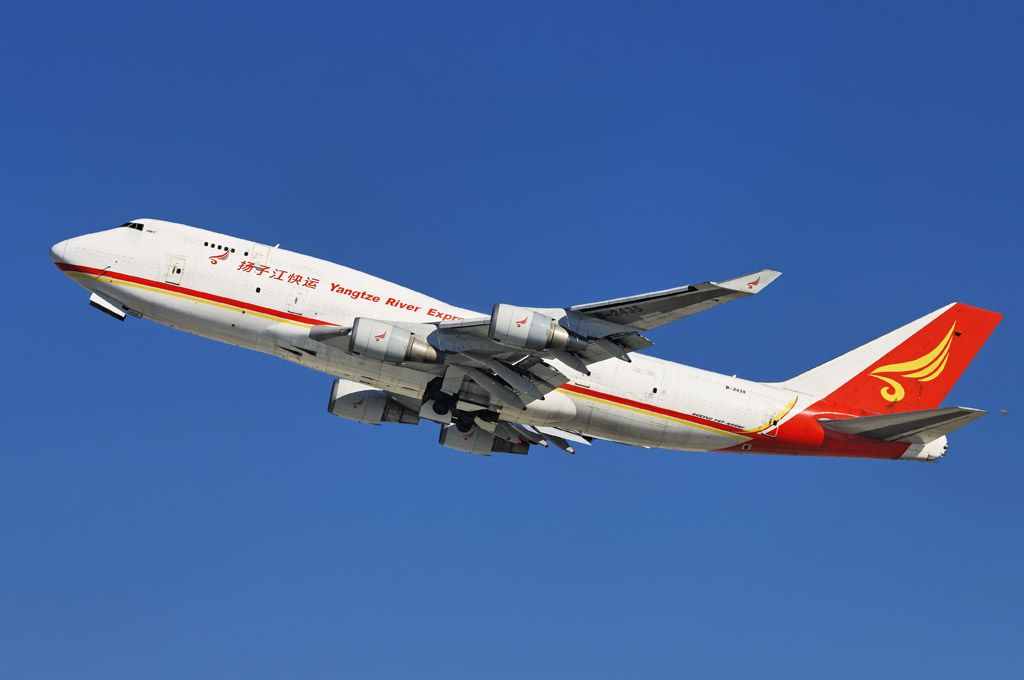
(488, 369)
(599, 330)
(651, 310)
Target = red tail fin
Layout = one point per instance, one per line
(910, 369)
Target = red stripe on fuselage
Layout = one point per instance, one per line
(815, 444)
(192, 292)
(801, 434)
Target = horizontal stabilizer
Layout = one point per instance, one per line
(919, 427)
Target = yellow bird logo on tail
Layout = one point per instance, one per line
(925, 368)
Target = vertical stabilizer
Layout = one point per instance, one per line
(911, 368)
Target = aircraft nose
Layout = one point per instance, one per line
(57, 251)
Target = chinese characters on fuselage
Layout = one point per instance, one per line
(285, 276)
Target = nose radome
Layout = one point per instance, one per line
(57, 251)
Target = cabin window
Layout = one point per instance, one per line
(257, 289)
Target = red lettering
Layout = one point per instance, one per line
(444, 316)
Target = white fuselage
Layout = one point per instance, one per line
(264, 298)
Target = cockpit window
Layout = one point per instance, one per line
(133, 225)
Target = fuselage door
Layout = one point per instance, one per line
(175, 270)
(296, 302)
(773, 416)
(259, 253)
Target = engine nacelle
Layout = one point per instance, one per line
(528, 329)
(478, 441)
(386, 342)
(363, 404)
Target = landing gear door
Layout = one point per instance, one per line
(175, 270)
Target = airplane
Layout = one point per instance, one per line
(522, 377)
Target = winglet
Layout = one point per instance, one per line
(751, 283)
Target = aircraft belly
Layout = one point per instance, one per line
(607, 421)
(641, 429)
(398, 379)
(689, 438)
(210, 321)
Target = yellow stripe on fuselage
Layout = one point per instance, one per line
(634, 409)
(186, 296)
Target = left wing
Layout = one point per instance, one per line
(650, 310)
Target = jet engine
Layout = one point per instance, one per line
(527, 329)
(478, 441)
(386, 342)
(364, 404)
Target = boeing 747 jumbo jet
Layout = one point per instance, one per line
(529, 376)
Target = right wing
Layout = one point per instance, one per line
(651, 310)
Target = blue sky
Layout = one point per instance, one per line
(177, 508)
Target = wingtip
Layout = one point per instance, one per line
(751, 283)
(975, 412)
